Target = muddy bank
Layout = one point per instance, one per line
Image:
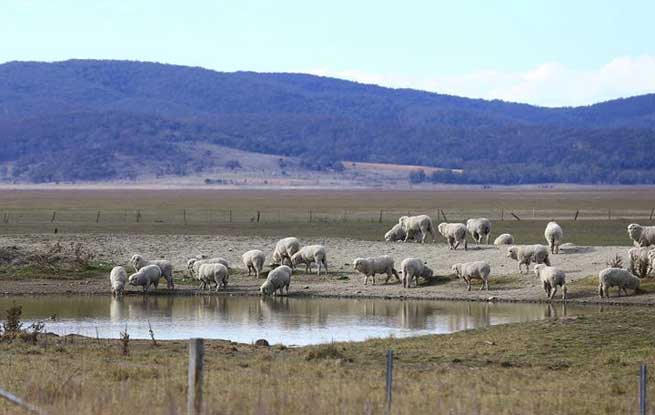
(506, 284)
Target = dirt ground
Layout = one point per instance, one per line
(506, 284)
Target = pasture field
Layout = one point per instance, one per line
(363, 214)
(568, 365)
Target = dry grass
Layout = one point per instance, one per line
(566, 366)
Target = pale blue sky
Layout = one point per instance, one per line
(543, 52)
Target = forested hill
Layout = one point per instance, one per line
(86, 120)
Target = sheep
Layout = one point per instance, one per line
(216, 273)
(309, 254)
(417, 224)
(641, 235)
(146, 276)
(200, 262)
(616, 277)
(640, 261)
(551, 278)
(455, 233)
(477, 270)
(254, 261)
(277, 279)
(479, 228)
(284, 250)
(525, 255)
(397, 233)
(414, 268)
(376, 265)
(117, 277)
(166, 267)
(504, 239)
(190, 261)
(553, 235)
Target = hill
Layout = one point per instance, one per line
(99, 120)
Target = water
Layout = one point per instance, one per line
(290, 321)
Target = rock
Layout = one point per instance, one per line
(262, 342)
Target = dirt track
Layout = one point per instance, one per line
(505, 283)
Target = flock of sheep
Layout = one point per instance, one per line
(288, 255)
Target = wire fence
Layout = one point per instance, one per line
(197, 216)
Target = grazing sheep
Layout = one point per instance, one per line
(277, 279)
(146, 276)
(476, 270)
(551, 278)
(198, 263)
(117, 277)
(525, 255)
(166, 267)
(616, 277)
(308, 255)
(641, 235)
(504, 239)
(455, 233)
(397, 233)
(413, 225)
(284, 250)
(414, 268)
(376, 265)
(216, 273)
(553, 235)
(640, 261)
(254, 261)
(479, 228)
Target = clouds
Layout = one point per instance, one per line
(549, 84)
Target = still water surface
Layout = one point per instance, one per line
(291, 321)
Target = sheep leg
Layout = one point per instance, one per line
(395, 273)
(325, 265)
(456, 245)
(553, 292)
(468, 285)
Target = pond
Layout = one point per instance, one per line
(290, 321)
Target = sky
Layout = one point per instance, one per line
(551, 53)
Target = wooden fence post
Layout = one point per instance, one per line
(380, 218)
(98, 217)
(445, 219)
(310, 216)
(54, 216)
(609, 214)
(651, 214)
(643, 372)
(577, 212)
(230, 215)
(194, 392)
(515, 216)
(502, 215)
(184, 214)
(389, 379)
(258, 215)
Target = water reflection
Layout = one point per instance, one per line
(280, 320)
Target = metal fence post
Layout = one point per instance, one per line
(194, 392)
(642, 389)
(389, 379)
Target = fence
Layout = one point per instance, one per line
(196, 216)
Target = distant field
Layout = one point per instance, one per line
(352, 165)
(365, 214)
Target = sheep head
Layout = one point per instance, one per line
(634, 231)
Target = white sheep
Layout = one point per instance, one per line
(479, 228)
(196, 265)
(616, 277)
(375, 265)
(254, 261)
(413, 225)
(216, 273)
(311, 254)
(641, 235)
(640, 260)
(146, 276)
(455, 233)
(525, 255)
(166, 267)
(551, 278)
(284, 250)
(476, 270)
(117, 278)
(554, 235)
(504, 239)
(412, 268)
(396, 233)
(277, 279)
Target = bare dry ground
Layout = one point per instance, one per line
(506, 283)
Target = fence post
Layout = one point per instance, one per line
(515, 216)
(230, 215)
(258, 215)
(609, 214)
(389, 379)
(194, 392)
(502, 215)
(577, 212)
(310, 216)
(138, 216)
(184, 214)
(438, 216)
(651, 214)
(445, 219)
(98, 217)
(380, 218)
(642, 389)
(54, 216)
